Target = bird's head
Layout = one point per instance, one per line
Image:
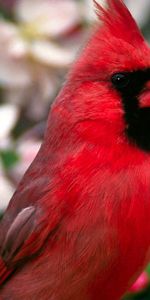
(109, 86)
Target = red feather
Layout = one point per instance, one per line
(80, 216)
(4, 272)
(119, 22)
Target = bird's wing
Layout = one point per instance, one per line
(25, 237)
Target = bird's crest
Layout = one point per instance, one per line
(118, 21)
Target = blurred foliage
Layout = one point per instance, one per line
(145, 295)
(9, 158)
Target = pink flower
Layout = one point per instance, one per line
(140, 284)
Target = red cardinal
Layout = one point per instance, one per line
(78, 226)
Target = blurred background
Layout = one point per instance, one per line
(39, 40)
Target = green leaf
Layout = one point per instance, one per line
(148, 269)
(9, 158)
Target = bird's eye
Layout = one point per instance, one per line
(120, 80)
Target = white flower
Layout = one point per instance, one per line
(32, 55)
(49, 18)
(51, 54)
(6, 192)
(14, 69)
(42, 21)
(8, 118)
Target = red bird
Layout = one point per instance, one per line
(78, 226)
